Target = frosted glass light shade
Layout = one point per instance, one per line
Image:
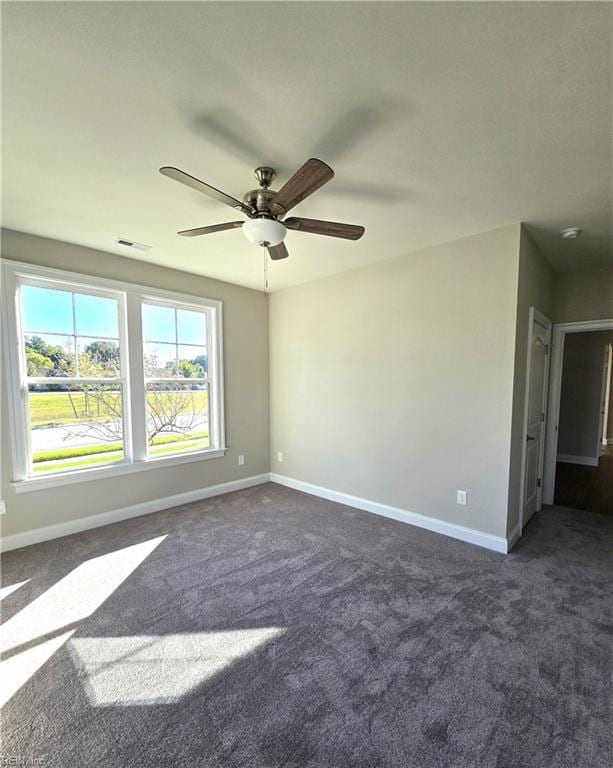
(264, 231)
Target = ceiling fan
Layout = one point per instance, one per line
(266, 225)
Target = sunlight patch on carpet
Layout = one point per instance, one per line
(6, 591)
(158, 669)
(33, 635)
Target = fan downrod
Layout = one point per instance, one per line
(264, 174)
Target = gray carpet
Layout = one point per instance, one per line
(272, 629)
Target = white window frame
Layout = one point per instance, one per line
(130, 297)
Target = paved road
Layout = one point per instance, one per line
(45, 438)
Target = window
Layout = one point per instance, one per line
(108, 378)
(75, 388)
(176, 380)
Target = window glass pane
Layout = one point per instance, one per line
(46, 310)
(75, 427)
(177, 418)
(160, 360)
(98, 358)
(96, 316)
(158, 323)
(191, 327)
(193, 362)
(50, 355)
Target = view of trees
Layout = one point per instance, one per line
(172, 407)
(103, 352)
(100, 359)
(189, 369)
(47, 360)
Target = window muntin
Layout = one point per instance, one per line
(175, 358)
(99, 383)
(75, 393)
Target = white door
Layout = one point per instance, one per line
(538, 369)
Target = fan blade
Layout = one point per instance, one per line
(207, 189)
(277, 252)
(208, 230)
(310, 177)
(330, 228)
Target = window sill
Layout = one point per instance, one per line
(116, 470)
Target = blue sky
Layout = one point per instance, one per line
(47, 311)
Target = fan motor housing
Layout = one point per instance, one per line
(260, 199)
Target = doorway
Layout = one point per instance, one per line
(579, 455)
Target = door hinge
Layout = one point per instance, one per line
(538, 482)
(542, 417)
(547, 348)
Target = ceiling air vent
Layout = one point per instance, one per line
(133, 244)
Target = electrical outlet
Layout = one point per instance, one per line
(461, 498)
(241, 460)
(279, 457)
(2, 507)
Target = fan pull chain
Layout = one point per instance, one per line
(265, 268)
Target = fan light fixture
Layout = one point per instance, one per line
(265, 232)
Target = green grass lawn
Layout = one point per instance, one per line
(87, 461)
(64, 408)
(70, 407)
(109, 453)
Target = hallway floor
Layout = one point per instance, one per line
(589, 488)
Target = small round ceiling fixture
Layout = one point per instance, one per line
(265, 232)
(571, 233)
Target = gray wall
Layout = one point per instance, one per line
(535, 289)
(394, 382)
(245, 314)
(581, 393)
(584, 294)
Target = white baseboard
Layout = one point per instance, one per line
(470, 535)
(587, 461)
(48, 532)
(17, 540)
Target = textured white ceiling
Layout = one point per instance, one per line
(440, 120)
